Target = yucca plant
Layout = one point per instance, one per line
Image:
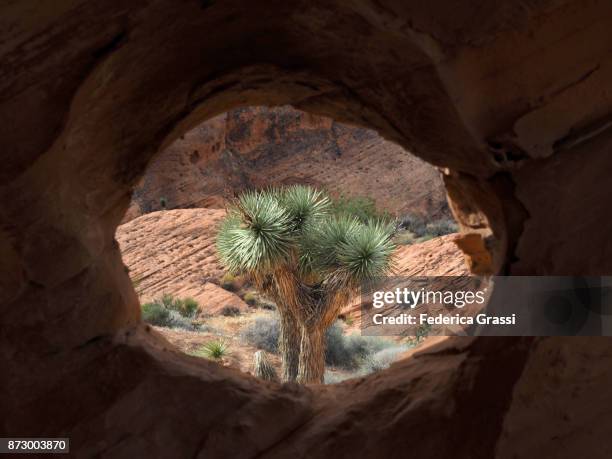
(262, 367)
(309, 260)
(214, 350)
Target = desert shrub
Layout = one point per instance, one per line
(186, 307)
(441, 227)
(417, 229)
(155, 314)
(250, 298)
(383, 358)
(166, 300)
(262, 334)
(413, 223)
(350, 351)
(176, 320)
(213, 350)
(171, 312)
(230, 311)
(361, 207)
(228, 282)
(163, 202)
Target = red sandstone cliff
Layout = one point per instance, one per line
(258, 146)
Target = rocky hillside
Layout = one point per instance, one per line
(174, 252)
(258, 146)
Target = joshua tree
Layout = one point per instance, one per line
(310, 261)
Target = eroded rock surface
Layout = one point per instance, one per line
(256, 147)
(172, 252)
(511, 98)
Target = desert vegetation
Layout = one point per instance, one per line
(170, 311)
(412, 229)
(310, 256)
(346, 355)
(214, 350)
(287, 315)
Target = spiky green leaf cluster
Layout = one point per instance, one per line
(366, 253)
(306, 205)
(213, 350)
(346, 248)
(256, 234)
(294, 225)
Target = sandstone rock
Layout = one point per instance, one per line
(174, 252)
(91, 91)
(259, 146)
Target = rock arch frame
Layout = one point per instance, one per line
(511, 99)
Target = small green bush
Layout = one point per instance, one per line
(350, 352)
(213, 350)
(417, 229)
(441, 227)
(166, 300)
(187, 307)
(176, 320)
(155, 314)
(228, 282)
(230, 311)
(250, 298)
(171, 312)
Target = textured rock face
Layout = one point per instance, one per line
(258, 146)
(172, 252)
(512, 98)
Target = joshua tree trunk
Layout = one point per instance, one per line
(289, 344)
(312, 355)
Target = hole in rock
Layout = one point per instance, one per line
(189, 293)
